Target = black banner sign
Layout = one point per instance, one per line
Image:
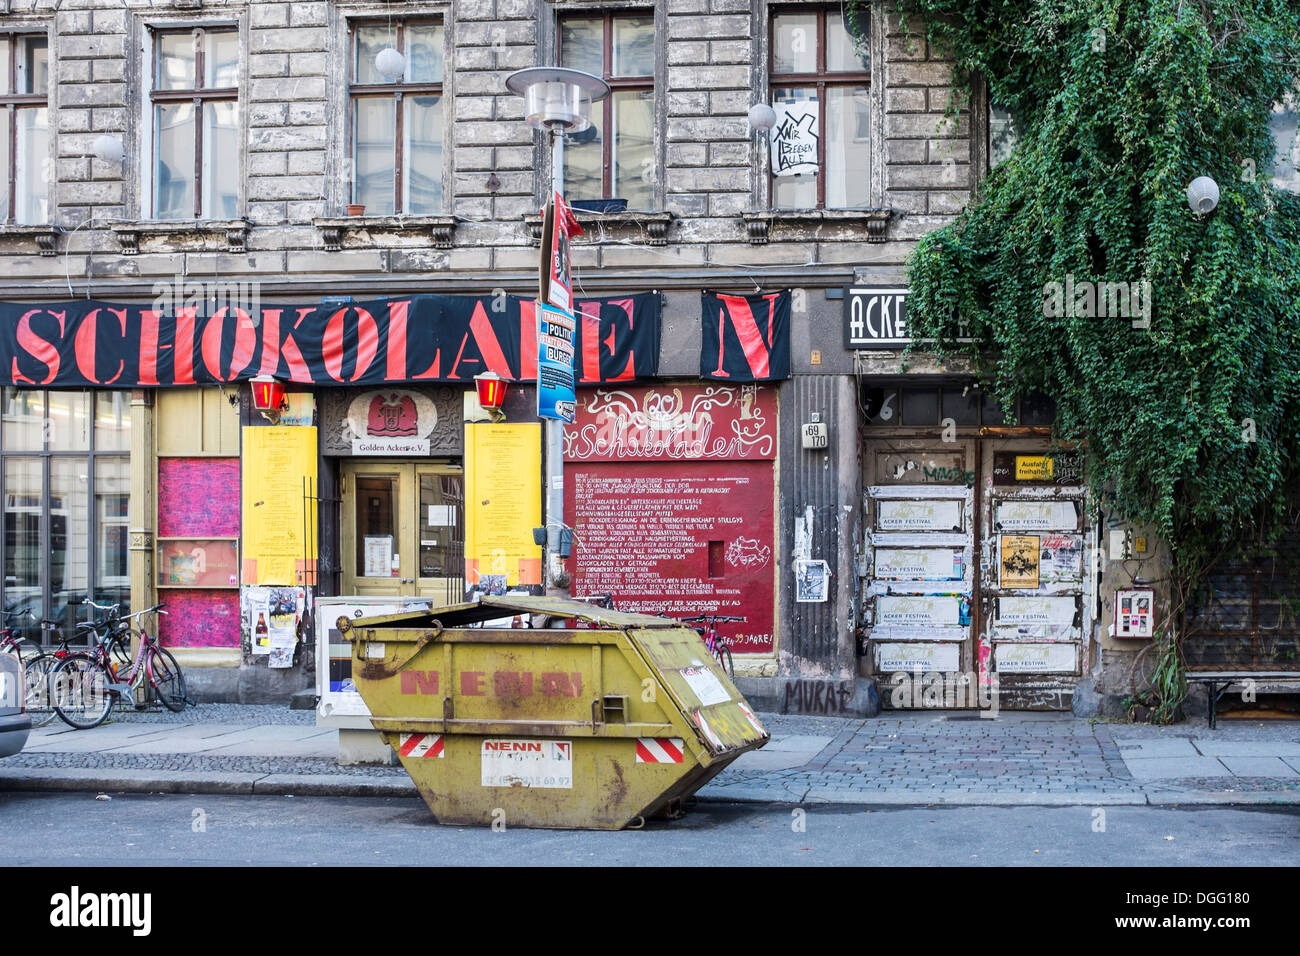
(422, 338)
(746, 338)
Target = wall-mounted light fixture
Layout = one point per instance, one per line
(269, 397)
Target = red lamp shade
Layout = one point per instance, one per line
(268, 393)
(491, 390)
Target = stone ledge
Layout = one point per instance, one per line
(46, 236)
(234, 231)
(333, 231)
(617, 224)
(808, 225)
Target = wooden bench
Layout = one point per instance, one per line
(1220, 682)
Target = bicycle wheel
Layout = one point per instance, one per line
(40, 701)
(723, 654)
(166, 679)
(26, 649)
(80, 687)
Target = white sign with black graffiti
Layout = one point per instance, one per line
(794, 139)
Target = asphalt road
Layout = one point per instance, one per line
(75, 829)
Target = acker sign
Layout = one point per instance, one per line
(876, 318)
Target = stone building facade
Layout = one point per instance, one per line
(902, 144)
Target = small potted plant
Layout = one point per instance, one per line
(356, 209)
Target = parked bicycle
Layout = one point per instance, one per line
(715, 642)
(86, 685)
(11, 642)
(38, 664)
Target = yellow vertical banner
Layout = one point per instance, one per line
(279, 523)
(503, 504)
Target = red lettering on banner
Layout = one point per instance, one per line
(148, 347)
(512, 684)
(471, 684)
(527, 339)
(84, 345)
(332, 344)
(590, 312)
(183, 350)
(512, 746)
(38, 348)
(757, 353)
(245, 342)
(419, 682)
(562, 685)
(488, 346)
(273, 346)
(396, 354)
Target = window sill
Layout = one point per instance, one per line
(46, 235)
(653, 225)
(333, 231)
(232, 230)
(808, 224)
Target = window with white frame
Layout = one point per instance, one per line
(195, 115)
(396, 122)
(24, 135)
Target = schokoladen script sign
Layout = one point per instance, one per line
(422, 338)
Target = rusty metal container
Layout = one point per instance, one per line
(605, 722)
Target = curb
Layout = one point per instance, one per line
(90, 780)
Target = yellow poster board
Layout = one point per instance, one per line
(503, 504)
(279, 524)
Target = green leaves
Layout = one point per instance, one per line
(1121, 104)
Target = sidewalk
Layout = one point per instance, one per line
(914, 758)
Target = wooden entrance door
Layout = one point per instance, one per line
(403, 530)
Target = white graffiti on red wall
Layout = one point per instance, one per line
(748, 553)
(684, 423)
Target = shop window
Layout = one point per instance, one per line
(821, 89)
(1285, 127)
(920, 406)
(24, 135)
(962, 405)
(397, 123)
(65, 483)
(195, 104)
(1245, 612)
(1037, 409)
(1004, 133)
(614, 158)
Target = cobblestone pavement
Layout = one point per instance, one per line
(912, 756)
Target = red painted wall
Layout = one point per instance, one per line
(199, 498)
(671, 495)
(199, 618)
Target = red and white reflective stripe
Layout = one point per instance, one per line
(421, 745)
(660, 750)
(749, 714)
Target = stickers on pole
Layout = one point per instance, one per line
(660, 750)
(556, 398)
(544, 764)
(421, 745)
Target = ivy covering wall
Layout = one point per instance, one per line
(1187, 404)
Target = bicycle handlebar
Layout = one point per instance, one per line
(711, 619)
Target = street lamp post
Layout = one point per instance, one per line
(556, 101)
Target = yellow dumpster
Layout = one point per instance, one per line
(605, 722)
